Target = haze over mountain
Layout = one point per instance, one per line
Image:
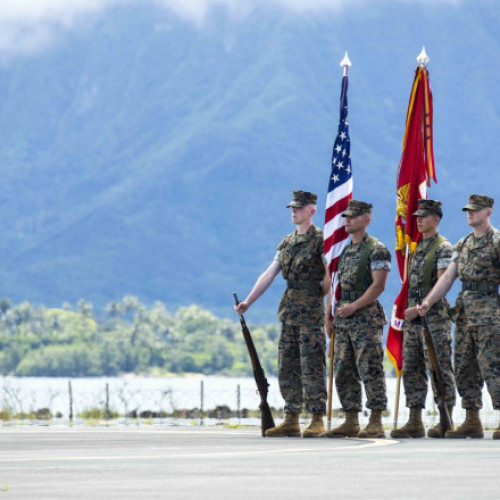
(149, 148)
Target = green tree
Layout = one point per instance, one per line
(63, 342)
(221, 359)
(59, 361)
(85, 308)
(113, 309)
(5, 305)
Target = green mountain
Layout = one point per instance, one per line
(145, 154)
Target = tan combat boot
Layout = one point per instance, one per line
(289, 427)
(414, 428)
(374, 429)
(350, 428)
(472, 427)
(496, 434)
(435, 432)
(316, 427)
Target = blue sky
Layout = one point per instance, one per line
(31, 26)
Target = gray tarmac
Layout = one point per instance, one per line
(150, 462)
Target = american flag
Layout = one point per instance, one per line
(339, 193)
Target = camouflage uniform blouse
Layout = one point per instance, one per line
(478, 260)
(302, 263)
(379, 258)
(442, 258)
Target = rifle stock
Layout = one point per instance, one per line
(437, 376)
(266, 417)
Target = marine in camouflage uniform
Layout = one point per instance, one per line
(431, 257)
(477, 337)
(301, 350)
(476, 262)
(358, 351)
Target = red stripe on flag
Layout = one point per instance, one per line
(337, 236)
(338, 207)
(333, 264)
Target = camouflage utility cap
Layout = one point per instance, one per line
(302, 198)
(478, 202)
(356, 208)
(428, 207)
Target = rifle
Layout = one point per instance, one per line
(437, 375)
(266, 418)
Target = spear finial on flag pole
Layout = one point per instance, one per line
(346, 62)
(422, 58)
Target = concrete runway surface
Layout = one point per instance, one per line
(219, 463)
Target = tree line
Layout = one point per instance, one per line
(72, 341)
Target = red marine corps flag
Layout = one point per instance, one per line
(416, 169)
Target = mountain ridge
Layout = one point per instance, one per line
(145, 155)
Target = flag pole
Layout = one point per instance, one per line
(345, 63)
(396, 402)
(330, 383)
(400, 372)
(422, 60)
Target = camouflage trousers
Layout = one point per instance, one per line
(358, 357)
(477, 360)
(416, 362)
(302, 368)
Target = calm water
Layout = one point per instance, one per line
(169, 393)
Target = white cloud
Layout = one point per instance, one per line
(197, 9)
(32, 11)
(28, 26)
